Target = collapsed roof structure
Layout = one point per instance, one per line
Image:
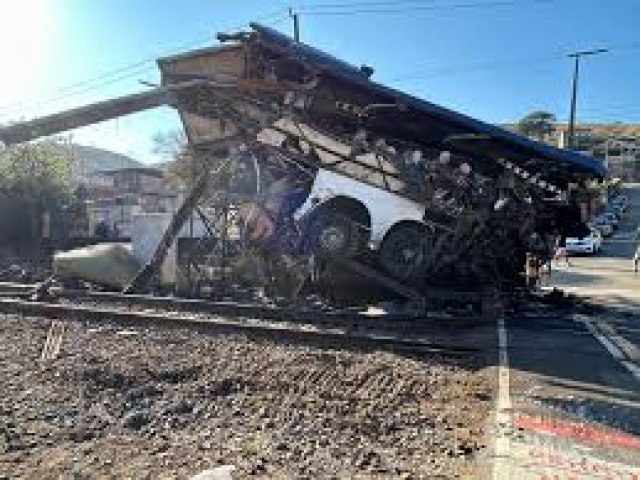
(480, 193)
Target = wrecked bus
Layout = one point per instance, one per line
(430, 191)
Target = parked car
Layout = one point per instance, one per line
(605, 228)
(610, 218)
(619, 204)
(589, 244)
(619, 208)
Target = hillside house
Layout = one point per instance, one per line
(114, 196)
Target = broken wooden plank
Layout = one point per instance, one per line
(92, 113)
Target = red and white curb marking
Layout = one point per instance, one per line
(582, 431)
(518, 459)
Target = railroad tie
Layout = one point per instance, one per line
(53, 341)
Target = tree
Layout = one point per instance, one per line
(537, 124)
(183, 167)
(34, 179)
(186, 164)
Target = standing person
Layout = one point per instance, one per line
(636, 259)
(561, 252)
(101, 230)
(532, 271)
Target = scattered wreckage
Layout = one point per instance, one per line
(310, 162)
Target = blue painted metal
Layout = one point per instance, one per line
(565, 159)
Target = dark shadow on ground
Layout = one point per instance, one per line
(574, 374)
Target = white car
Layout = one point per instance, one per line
(610, 218)
(619, 208)
(589, 244)
(603, 227)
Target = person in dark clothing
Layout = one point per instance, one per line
(101, 230)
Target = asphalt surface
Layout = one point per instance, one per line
(573, 390)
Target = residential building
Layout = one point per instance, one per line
(115, 196)
(622, 156)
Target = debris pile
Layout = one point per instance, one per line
(313, 160)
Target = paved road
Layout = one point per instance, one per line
(569, 403)
(609, 275)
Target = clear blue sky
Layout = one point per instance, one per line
(492, 59)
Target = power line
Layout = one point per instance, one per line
(94, 83)
(359, 4)
(436, 71)
(104, 83)
(631, 116)
(364, 4)
(614, 108)
(123, 72)
(630, 110)
(105, 75)
(311, 11)
(500, 64)
(142, 66)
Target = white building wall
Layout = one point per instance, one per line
(147, 230)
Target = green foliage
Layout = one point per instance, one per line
(34, 179)
(537, 124)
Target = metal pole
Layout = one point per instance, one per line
(296, 25)
(574, 90)
(190, 253)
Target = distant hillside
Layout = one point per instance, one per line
(165, 165)
(608, 129)
(98, 159)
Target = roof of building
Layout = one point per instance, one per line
(479, 137)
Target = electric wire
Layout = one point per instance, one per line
(315, 11)
(124, 72)
(279, 16)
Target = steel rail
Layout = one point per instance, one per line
(257, 310)
(250, 327)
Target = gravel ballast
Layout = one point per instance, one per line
(169, 403)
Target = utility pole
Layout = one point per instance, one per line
(296, 24)
(574, 88)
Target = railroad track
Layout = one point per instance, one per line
(405, 332)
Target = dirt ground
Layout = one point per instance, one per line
(159, 403)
